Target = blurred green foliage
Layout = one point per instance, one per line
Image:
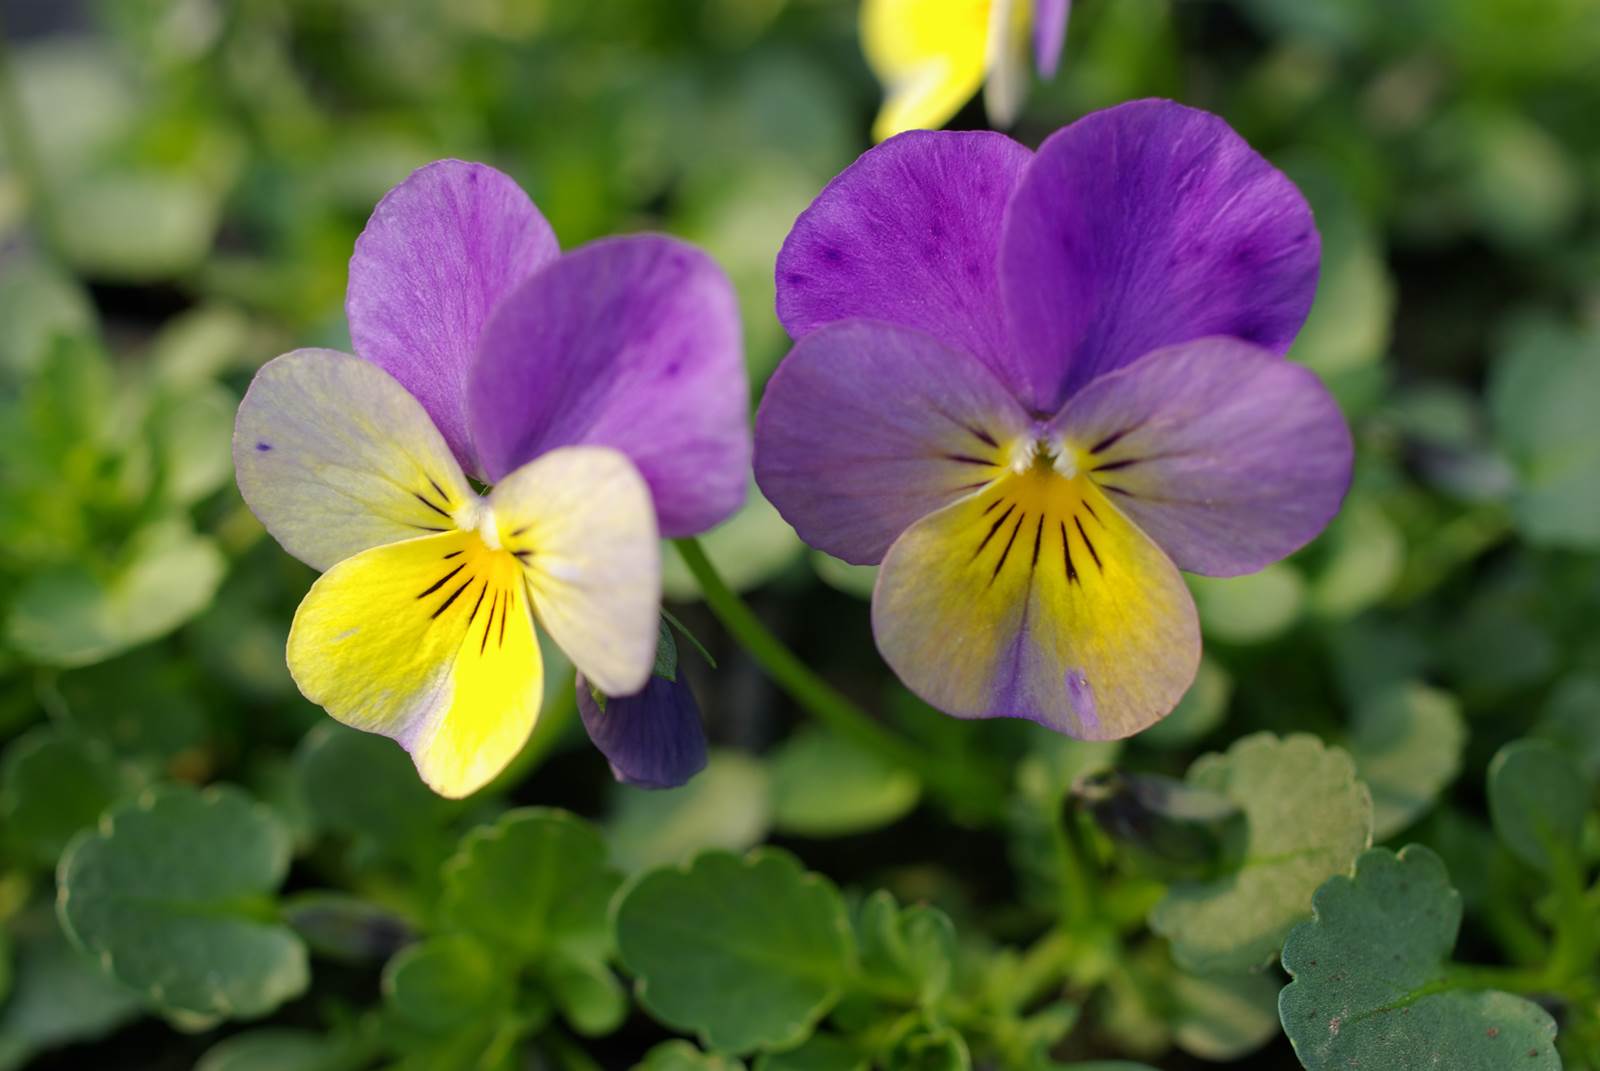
(180, 187)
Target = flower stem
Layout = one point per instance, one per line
(824, 702)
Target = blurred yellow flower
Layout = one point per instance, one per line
(932, 55)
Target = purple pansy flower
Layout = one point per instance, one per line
(601, 392)
(1035, 386)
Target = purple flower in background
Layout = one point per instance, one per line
(1034, 386)
(601, 392)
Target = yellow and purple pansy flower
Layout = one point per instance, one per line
(1034, 386)
(600, 394)
(933, 55)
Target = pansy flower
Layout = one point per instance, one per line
(1035, 386)
(600, 395)
(933, 55)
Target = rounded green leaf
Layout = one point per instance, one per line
(825, 786)
(1373, 987)
(443, 982)
(1250, 609)
(727, 806)
(535, 882)
(1537, 800)
(1407, 742)
(271, 1049)
(1307, 818)
(759, 927)
(1571, 719)
(680, 1055)
(53, 784)
(173, 893)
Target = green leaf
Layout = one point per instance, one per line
(69, 616)
(1223, 1017)
(269, 1049)
(1543, 393)
(666, 652)
(725, 806)
(534, 884)
(1571, 720)
(819, 1052)
(1407, 742)
(173, 893)
(53, 784)
(1365, 552)
(910, 950)
(363, 785)
(1250, 609)
(1373, 986)
(588, 994)
(680, 1055)
(759, 926)
(931, 1049)
(1537, 800)
(825, 786)
(58, 995)
(1307, 818)
(439, 984)
(1202, 709)
(192, 433)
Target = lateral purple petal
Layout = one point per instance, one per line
(1049, 34)
(867, 427)
(1146, 225)
(909, 234)
(652, 739)
(1225, 454)
(632, 343)
(439, 252)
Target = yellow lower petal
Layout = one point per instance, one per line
(1037, 598)
(431, 642)
(930, 56)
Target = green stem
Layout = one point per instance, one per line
(824, 702)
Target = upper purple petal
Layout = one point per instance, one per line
(909, 234)
(632, 343)
(1049, 34)
(1146, 225)
(653, 739)
(1224, 453)
(868, 427)
(440, 251)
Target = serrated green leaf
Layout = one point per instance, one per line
(533, 884)
(1307, 818)
(825, 786)
(440, 984)
(1537, 800)
(909, 950)
(172, 892)
(52, 785)
(363, 785)
(759, 926)
(1373, 987)
(727, 805)
(1407, 742)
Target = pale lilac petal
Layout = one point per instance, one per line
(1049, 34)
(652, 739)
(1225, 454)
(867, 427)
(439, 252)
(909, 234)
(1146, 225)
(632, 343)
